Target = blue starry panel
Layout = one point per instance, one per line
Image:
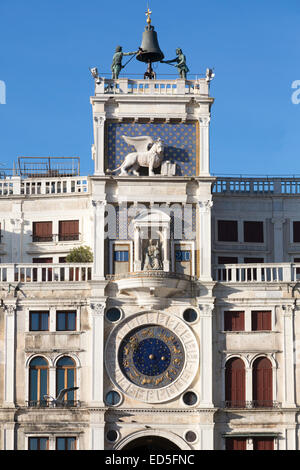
(180, 143)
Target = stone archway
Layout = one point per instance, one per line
(151, 444)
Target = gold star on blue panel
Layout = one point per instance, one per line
(180, 141)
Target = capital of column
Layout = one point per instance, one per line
(278, 221)
(10, 309)
(98, 204)
(204, 121)
(99, 120)
(288, 310)
(98, 309)
(205, 206)
(206, 310)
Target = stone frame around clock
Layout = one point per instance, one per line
(160, 395)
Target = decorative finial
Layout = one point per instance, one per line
(148, 14)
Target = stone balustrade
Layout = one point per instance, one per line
(152, 87)
(257, 186)
(15, 185)
(33, 272)
(253, 273)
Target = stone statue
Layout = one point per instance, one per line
(152, 260)
(151, 158)
(116, 65)
(181, 63)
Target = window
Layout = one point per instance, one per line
(190, 398)
(113, 398)
(261, 321)
(263, 443)
(254, 260)
(183, 259)
(38, 321)
(66, 378)
(42, 232)
(262, 383)
(68, 230)
(38, 443)
(182, 255)
(38, 381)
(46, 272)
(121, 257)
(227, 231)
(234, 321)
(66, 443)
(235, 383)
(227, 260)
(113, 314)
(254, 232)
(66, 321)
(190, 315)
(236, 443)
(296, 232)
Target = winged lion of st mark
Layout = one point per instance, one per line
(149, 153)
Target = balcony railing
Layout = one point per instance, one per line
(52, 404)
(264, 272)
(56, 237)
(152, 87)
(286, 186)
(251, 404)
(63, 272)
(15, 185)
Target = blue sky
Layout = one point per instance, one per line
(48, 46)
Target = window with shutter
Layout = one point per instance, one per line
(234, 321)
(263, 443)
(42, 232)
(68, 230)
(262, 383)
(261, 320)
(236, 443)
(235, 383)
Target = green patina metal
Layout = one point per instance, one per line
(181, 63)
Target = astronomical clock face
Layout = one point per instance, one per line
(151, 356)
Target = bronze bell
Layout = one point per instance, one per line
(150, 48)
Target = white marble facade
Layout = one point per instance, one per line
(162, 269)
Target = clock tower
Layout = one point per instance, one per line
(152, 297)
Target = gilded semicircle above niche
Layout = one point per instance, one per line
(181, 143)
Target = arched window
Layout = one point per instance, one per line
(262, 383)
(235, 383)
(66, 377)
(38, 381)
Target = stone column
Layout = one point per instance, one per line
(9, 436)
(204, 145)
(278, 239)
(97, 310)
(288, 356)
(9, 379)
(99, 239)
(204, 239)
(166, 249)
(137, 262)
(98, 149)
(206, 345)
(16, 235)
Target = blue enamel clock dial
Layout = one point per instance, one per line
(151, 356)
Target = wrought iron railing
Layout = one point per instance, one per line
(251, 404)
(53, 404)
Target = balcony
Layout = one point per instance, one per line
(255, 273)
(54, 273)
(254, 404)
(56, 237)
(51, 404)
(259, 186)
(161, 87)
(153, 284)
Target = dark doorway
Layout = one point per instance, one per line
(150, 443)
